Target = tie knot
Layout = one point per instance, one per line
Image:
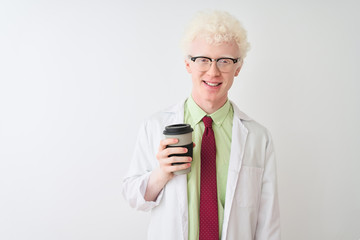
(207, 121)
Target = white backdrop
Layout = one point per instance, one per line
(78, 77)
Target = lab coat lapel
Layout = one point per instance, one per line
(239, 136)
(180, 181)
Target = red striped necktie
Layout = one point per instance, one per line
(209, 221)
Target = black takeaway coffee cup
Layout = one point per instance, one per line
(183, 132)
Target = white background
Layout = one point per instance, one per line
(78, 77)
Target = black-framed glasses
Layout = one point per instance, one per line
(203, 64)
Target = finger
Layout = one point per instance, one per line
(167, 141)
(173, 150)
(177, 160)
(165, 153)
(174, 160)
(179, 167)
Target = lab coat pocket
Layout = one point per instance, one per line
(249, 186)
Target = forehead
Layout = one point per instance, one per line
(200, 47)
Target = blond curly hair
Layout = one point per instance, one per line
(215, 27)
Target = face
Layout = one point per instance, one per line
(212, 86)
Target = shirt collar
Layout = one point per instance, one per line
(197, 113)
(219, 116)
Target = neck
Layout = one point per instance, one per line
(208, 106)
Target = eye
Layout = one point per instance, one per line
(202, 60)
(224, 61)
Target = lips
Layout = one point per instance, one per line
(212, 84)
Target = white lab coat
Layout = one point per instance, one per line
(251, 204)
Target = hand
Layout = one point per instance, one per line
(160, 176)
(166, 162)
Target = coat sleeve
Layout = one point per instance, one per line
(136, 180)
(268, 226)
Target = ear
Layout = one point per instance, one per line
(237, 71)
(187, 65)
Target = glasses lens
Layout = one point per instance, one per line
(224, 64)
(203, 64)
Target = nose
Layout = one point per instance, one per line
(213, 70)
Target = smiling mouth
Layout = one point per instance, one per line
(212, 84)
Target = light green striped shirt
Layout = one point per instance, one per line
(222, 126)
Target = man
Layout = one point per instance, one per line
(231, 191)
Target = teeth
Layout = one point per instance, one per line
(212, 84)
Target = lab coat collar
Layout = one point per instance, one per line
(239, 114)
